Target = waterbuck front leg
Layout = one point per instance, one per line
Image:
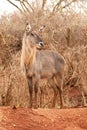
(53, 85)
(61, 93)
(29, 79)
(35, 85)
(36, 91)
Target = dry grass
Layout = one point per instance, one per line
(71, 44)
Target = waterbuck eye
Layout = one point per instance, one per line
(41, 43)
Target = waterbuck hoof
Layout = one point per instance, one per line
(36, 106)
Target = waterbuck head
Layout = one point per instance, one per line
(33, 39)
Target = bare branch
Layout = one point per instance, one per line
(55, 9)
(68, 4)
(29, 5)
(15, 6)
(43, 3)
(57, 5)
(22, 2)
(22, 7)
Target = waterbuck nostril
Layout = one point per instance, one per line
(41, 43)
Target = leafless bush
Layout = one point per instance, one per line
(68, 38)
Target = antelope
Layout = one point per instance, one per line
(38, 63)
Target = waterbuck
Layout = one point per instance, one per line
(41, 64)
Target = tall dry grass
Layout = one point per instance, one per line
(61, 33)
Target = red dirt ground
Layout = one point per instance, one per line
(43, 119)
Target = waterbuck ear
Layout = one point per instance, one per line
(28, 27)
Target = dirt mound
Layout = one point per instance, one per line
(43, 119)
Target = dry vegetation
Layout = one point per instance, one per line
(65, 32)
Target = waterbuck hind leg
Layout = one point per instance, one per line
(41, 97)
(61, 98)
(60, 89)
(58, 79)
(30, 91)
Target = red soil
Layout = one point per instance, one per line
(43, 119)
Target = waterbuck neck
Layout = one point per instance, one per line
(30, 54)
